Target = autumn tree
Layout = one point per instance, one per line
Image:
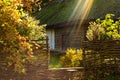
(31, 6)
(16, 30)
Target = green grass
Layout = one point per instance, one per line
(113, 77)
(54, 61)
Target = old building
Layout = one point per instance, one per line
(67, 21)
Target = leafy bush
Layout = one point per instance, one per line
(72, 58)
(106, 29)
(15, 31)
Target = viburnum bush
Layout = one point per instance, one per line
(16, 30)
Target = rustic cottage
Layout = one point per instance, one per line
(67, 20)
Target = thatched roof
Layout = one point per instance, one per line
(60, 12)
(102, 7)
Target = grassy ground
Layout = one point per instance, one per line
(54, 61)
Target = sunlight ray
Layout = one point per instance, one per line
(75, 9)
(80, 13)
(85, 12)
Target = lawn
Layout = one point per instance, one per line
(54, 61)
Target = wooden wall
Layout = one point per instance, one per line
(70, 36)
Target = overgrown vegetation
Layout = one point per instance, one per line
(106, 29)
(16, 32)
(72, 58)
(102, 50)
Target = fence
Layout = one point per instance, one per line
(42, 44)
(36, 71)
(102, 60)
(40, 71)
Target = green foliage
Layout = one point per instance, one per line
(54, 61)
(31, 6)
(72, 58)
(95, 32)
(15, 31)
(106, 29)
(32, 31)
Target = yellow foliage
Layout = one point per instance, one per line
(72, 58)
(15, 30)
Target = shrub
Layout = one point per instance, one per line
(16, 31)
(72, 58)
(106, 29)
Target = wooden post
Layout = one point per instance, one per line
(48, 49)
(47, 45)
